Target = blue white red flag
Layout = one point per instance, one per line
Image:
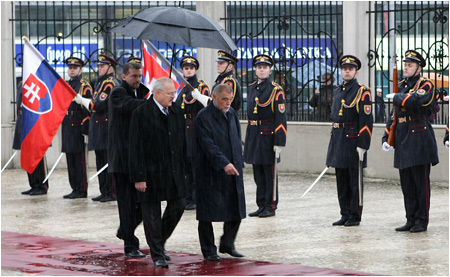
(46, 97)
(153, 69)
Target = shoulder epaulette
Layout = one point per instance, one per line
(276, 85)
(252, 84)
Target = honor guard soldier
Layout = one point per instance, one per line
(36, 178)
(76, 119)
(190, 106)
(351, 133)
(415, 143)
(266, 134)
(225, 67)
(98, 125)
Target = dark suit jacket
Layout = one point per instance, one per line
(122, 103)
(220, 197)
(157, 151)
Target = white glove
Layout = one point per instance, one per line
(446, 144)
(277, 149)
(83, 101)
(200, 97)
(390, 95)
(361, 153)
(387, 147)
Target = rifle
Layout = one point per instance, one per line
(391, 138)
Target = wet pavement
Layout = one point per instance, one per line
(300, 233)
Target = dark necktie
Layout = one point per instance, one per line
(166, 111)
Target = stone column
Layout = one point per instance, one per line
(207, 56)
(355, 34)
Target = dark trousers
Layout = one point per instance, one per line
(35, 179)
(206, 236)
(415, 182)
(190, 181)
(264, 178)
(157, 229)
(130, 213)
(348, 193)
(104, 179)
(76, 166)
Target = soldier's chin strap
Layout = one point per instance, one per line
(225, 70)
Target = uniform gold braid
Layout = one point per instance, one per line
(234, 85)
(355, 100)
(423, 79)
(360, 92)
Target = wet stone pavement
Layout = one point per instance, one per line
(300, 233)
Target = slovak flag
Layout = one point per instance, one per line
(153, 69)
(46, 97)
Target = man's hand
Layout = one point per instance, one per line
(83, 101)
(317, 92)
(277, 149)
(231, 170)
(203, 99)
(140, 186)
(387, 147)
(446, 144)
(390, 95)
(361, 153)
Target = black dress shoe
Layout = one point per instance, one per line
(340, 222)
(232, 252)
(257, 212)
(166, 255)
(135, 254)
(27, 191)
(405, 227)
(108, 198)
(417, 229)
(351, 222)
(190, 206)
(161, 263)
(119, 234)
(77, 195)
(267, 213)
(213, 258)
(98, 198)
(38, 192)
(67, 196)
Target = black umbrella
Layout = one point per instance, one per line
(175, 25)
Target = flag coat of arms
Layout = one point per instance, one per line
(46, 98)
(153, 69)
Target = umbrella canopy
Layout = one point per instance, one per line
(175, 25)
(311, 73)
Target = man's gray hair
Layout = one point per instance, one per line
(159, 84)
(222, 88)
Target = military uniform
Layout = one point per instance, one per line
(351, 114)
(266, 115)
(36, 178)
(446, 134)
(73, 143)
(190, 106)
(98, 128)
(229, 78)
(415, 145)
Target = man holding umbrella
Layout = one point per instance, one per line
(225, 67)
(191, 107)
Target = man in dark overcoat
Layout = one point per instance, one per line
(191, 107)
(266, 134)
(220, 184)
(351, 133)
(157, 153)
(225, 67)
(98, 125)
(73, 143)
(415, 143)
(322, 99)
(124, 99)
(36, 178)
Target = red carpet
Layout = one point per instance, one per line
(56, 256)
